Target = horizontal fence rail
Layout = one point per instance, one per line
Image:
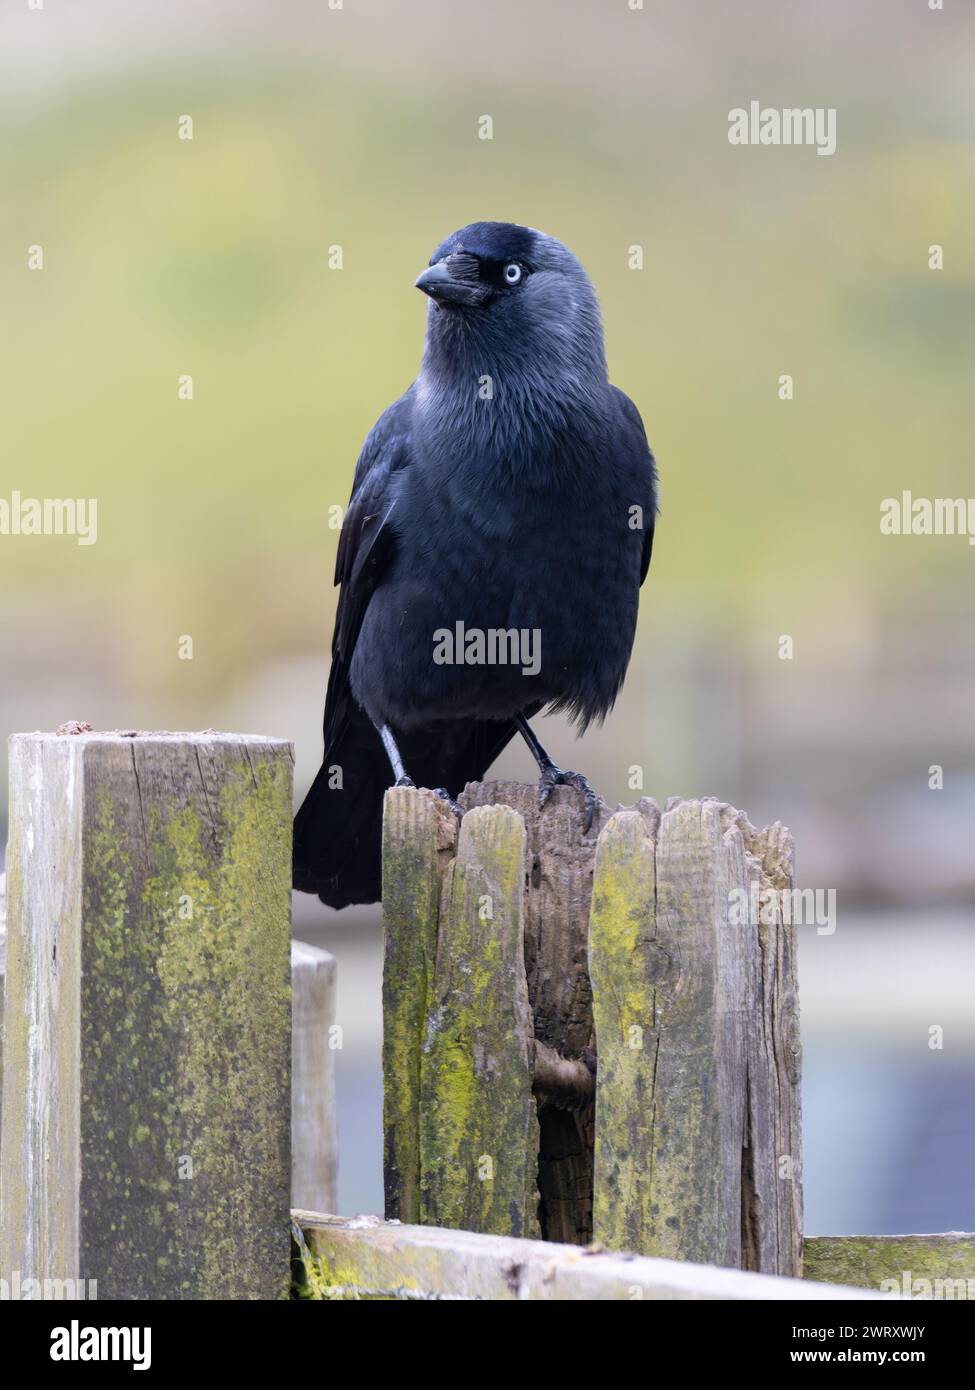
(367, 1258)
(924, 1267)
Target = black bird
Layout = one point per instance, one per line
(499, 529)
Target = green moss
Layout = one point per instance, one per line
(310, 1277)
(319, 1278)
(479, 1131)
(626, 1211)
(946, 1262)
(411, 895)
(185, 1039)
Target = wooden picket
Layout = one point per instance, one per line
(625, 945)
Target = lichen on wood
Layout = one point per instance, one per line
(558, 892)
(687, 1017)
(478, 1127)
(366, 1258)
(697, 1110)
(624, 969)
(419, 832)
(170, 1085)
(921, 1266)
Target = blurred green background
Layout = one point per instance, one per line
(357, 127)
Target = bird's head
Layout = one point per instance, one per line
(515, 294)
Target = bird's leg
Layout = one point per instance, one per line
(395, 761)
(399, 771)
(552, 776)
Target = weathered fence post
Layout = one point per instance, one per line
(146, 1116)
(314, 1142)
(643, 964)
(3, 977)
(418, 834)
(697, 1106)
(478, 1129)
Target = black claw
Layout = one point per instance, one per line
(546, 782)
(554, 776)
(455, 806)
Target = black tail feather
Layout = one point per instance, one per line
(338, 829)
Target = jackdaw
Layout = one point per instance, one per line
(499, 529)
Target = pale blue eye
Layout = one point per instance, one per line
(512, 273)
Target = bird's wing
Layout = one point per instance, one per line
(636, 437)
(367, 543)
(338, 828)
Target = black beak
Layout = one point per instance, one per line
(444, 288)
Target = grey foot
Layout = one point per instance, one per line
(455, 806)
(553, 777)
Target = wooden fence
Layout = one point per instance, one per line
(366, 1258)
(518, 951)
(579, 1044)
(339, 1258)
(147, 1046)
